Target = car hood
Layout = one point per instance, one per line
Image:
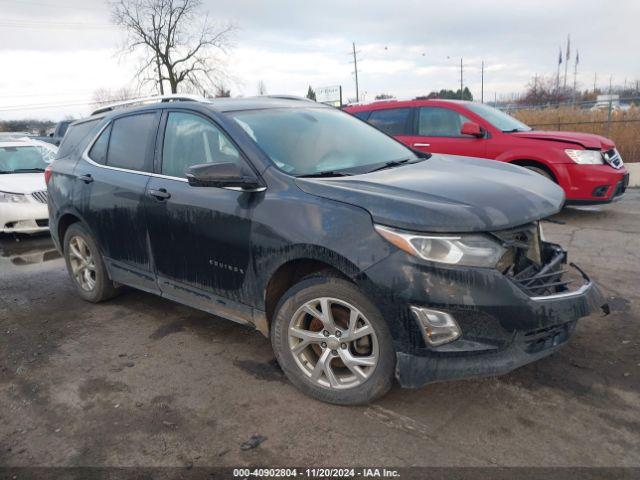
(446, 193)
(586, 140)
(22, 182)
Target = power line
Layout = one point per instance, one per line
(40, 106)
(42, 4)
(17, 23)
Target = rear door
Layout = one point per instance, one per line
(110, 184)
(397, 122)
(438, 131)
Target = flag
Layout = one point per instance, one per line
(559, 55)
(577, 57)
(568, 48)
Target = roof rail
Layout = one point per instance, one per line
(173, 97)
(289, 97)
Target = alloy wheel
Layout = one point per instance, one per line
(82, 263)
(333, 343)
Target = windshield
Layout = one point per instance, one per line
(28, 158)
(313, 140)
(497, 118)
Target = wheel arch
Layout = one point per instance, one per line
(293, 269)
(63, 224)
(527, 162)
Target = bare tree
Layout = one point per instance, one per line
(179, 44)
(262, 88)
(221, 91)
(102, 96)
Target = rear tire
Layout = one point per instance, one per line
(346, 357)
(86, 266)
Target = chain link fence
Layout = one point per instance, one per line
(615, 118)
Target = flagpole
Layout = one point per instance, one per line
(575, 75)
(566, 60)
(558, 75)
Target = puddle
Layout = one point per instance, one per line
(23, 251)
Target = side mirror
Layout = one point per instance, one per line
(471, 128)
(222, 175)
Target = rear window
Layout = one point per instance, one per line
(98, 152)
(392, 121)
(129, 141)
(76, 134)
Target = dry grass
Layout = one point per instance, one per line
(624, 131)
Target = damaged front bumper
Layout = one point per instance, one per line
(503, 324)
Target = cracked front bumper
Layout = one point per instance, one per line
(502, 327)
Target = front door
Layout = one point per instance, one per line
(200, 236)
(438, 131)
(110, 184)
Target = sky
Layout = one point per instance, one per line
(55, 53)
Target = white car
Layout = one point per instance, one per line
(23, 192)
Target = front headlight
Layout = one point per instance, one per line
(471, 250)
(8, 197)
(585, 157)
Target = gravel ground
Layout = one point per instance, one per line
(141, 381)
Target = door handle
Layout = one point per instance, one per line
(421, 144)
(160, 194)
(87, 178)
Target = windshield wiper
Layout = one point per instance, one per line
(325, 173)
(394, 163)
(28, 170)
(515, 130)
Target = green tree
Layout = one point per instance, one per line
(311, 94)
(449, 95)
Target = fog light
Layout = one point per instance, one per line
(437, 327)
(600, 191)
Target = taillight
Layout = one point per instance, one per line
(47, 174)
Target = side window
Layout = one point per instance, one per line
(76, 133)
(129, 140)
(362, 115)
(190, 140)
(392, 121)
(98, 152)
(440, 122)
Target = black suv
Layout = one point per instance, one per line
(361, 259)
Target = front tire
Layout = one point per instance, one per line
(332, 342)
(86, 266)
(540, 171)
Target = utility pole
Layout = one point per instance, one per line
(482, 83)
(461, 83)
(355, 71)
(595, 79)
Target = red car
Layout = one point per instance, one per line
(588, 167)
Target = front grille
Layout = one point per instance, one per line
(40, 196)
(613, 158)
(534, 266)
(545, 278)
